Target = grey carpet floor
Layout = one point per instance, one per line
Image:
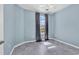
(50, 47)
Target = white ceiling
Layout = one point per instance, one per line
(37, 8)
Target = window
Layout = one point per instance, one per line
(42, 26)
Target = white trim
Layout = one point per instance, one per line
(20, 44)
(65, 43)
(49, 38)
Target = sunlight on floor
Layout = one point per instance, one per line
(51, 47)
(47, 43)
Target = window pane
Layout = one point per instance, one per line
(42, 26)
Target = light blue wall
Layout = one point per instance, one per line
(29, 25)
(51, 25)
(9, 28)
(19, 26)
(67, 25)
(19, 12)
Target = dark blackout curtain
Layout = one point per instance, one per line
(37, 16)
(46, 26)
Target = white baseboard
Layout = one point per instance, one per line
(65, 43)
(49, 38)
(19, 45)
